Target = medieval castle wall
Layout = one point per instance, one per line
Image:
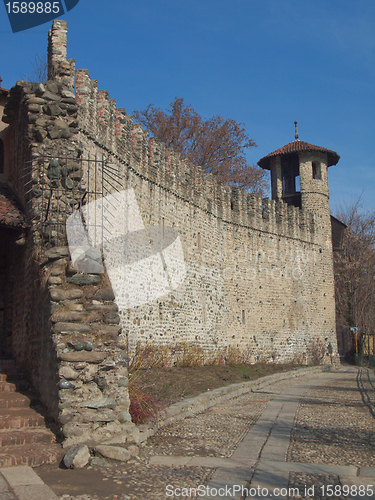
(259, 272)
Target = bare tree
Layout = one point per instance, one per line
(216, 144)
(354, 269)
(40, 70)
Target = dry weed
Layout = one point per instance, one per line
(149, 355)
(188, 354)
(143, 406)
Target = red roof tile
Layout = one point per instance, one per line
(11, 213)
(298, 147)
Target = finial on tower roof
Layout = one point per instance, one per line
(296, 131)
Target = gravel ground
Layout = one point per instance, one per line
(335, 424)
(314, 486)
(139, 482)
(214, 433)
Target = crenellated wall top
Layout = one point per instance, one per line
(94, 115)
(117, 134)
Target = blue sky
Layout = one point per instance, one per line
(264, 63)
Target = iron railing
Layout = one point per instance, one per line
(56, 186)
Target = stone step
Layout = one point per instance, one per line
(15, 418)
(30, 454)
(7, 386)
(13, 400)
(25, 436)
(17, 378)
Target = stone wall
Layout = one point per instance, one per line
(65, 328)
(66, 337)
(259, 272)
(92, 359)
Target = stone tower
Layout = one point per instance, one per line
(299, 177)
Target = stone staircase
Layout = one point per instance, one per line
(24, 437)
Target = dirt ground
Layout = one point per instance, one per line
(134, 480)
(87, 481)
(171, 385)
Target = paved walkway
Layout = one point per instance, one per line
(22, 483)
(261, 464)
(259, 469)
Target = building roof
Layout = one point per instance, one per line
(11, 213)
(298, 147)
(3, 93)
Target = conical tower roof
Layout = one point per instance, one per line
(298, 146)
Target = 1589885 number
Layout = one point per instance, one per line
(339, 490)
(33, 7)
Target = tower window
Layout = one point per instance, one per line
(316, 170)
(290, 175)
(291, 180)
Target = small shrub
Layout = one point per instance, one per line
(143, 406)
(229, 355)
(149, 355)
(216, 358)
(233, 356)
(317, 351)
(188, 354)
